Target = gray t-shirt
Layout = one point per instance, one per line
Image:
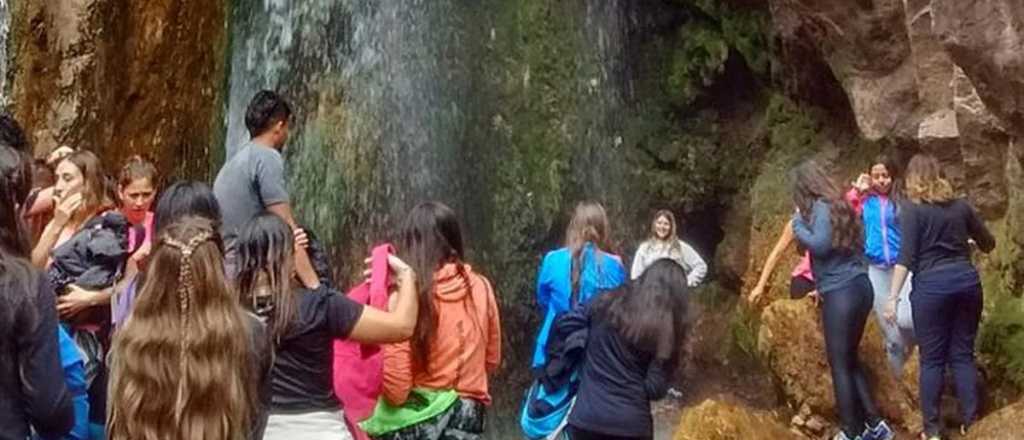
(250, 181)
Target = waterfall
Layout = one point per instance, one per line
(507, 111)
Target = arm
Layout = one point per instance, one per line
(816, 237)
(785, 239)
(899, 276)
(656, 380)
(855, 198)
(492, 358)
(639, 262)
(978, 231)
(698, 268)
(47, 401)
(77, 299)
(398, 375)
(42, 203)
(303, 267)
(41, 252)
(377, 326)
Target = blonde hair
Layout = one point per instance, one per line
(925, 183)
(182, 362)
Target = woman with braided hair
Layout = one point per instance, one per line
(189, 362)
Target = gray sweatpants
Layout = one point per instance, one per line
(899, 338)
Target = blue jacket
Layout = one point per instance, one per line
(74, 376)
(832, 268)
(601, 272)
(881, 230)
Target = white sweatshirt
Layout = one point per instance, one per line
(654, 250)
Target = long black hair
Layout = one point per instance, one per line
(429, 238)
(650, 312)
(265, 261)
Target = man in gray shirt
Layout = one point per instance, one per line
(252, 181)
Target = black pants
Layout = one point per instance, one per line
(582, 434)
(945, 326)
(845, 312)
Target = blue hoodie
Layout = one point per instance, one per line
(601, 272)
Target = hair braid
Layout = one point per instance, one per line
(185, 288)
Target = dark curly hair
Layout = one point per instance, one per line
(811, 182)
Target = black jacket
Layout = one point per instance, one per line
(95, 256)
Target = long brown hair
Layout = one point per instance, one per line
(96, 190)
(589, 224)
(673, 233)
(925, 182)
(812, 183)
(430, 238)
(265, 262)
(182, 362)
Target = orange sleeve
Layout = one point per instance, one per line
(493, 355)
(397, 377)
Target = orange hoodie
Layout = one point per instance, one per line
(466, 346)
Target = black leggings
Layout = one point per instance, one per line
(582, 434)
(845, 311)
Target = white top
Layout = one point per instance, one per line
(654, 250)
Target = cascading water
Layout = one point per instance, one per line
(507, 112)
(5, 30)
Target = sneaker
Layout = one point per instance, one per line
(881, 431)
(930, 437)
(842, 436)
(963, 430)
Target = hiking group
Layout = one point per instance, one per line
(210, 312)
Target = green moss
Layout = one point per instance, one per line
(715, 32)
(1001, 340)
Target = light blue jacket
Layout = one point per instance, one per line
(601, 272)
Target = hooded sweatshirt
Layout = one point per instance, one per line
(465, 347)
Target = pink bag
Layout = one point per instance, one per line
(357, 367)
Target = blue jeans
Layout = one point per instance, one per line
(899, 337)
(945, 325)
(844, 315)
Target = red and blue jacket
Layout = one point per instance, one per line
(881, 226)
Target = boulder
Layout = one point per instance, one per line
(1003, 424)
(718, 420)
(792, 343)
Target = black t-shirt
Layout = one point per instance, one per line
(617, 385)
(302, 375)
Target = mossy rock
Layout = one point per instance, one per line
(717, 420)
(1000, 425)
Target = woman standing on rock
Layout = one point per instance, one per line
(877, 197)
(664, 242)
(828, 227)
(947, 298)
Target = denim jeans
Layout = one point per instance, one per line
(946, 325)
(899, 337)
(844, 315)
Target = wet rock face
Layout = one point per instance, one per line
(986, 39)
(121, 77)
(718, 420)
(862, 44)
(792, 341)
